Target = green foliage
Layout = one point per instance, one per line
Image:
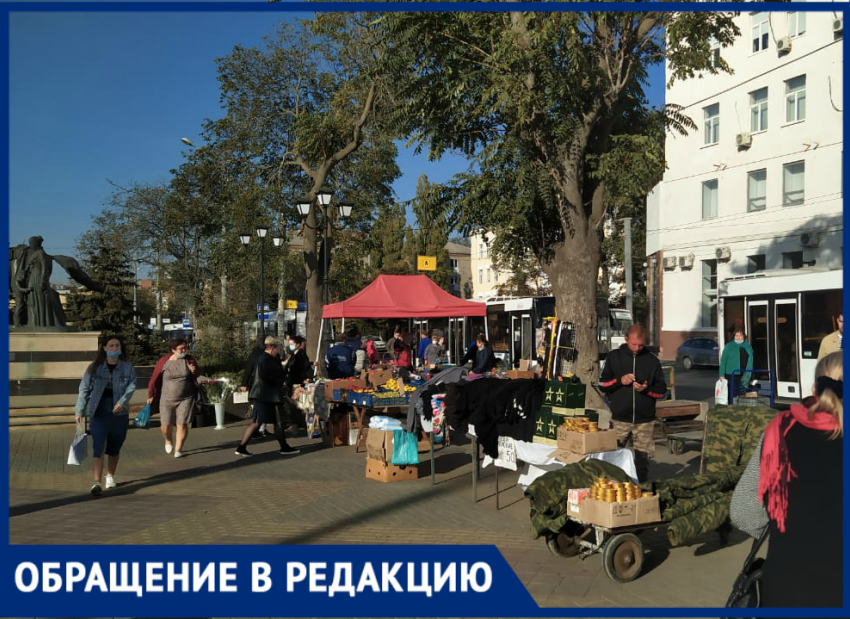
(103, 256)
(388, 241)
(431, 233)
(221, 351)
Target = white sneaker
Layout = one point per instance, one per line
(178, 454)
(169, 448)
(110, 482)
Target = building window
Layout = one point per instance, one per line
(709, 199)
(480, 276)
(761, 31)
(487, 249)
(480, 250)
(756, 190)
(709, 293)
(758, 110)
(453, 263)
(792, 260)
(796, 24)
(755, 263)
(793, 183)
(712, 123)
(488, 276)
(795, 99)
(714, 61)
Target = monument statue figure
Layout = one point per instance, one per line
(30, 268)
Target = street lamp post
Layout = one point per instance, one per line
(245, 238)
(323, 200)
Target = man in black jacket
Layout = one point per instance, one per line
(634, 382)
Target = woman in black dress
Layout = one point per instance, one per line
(800, 483)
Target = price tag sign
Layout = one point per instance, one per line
(507, 453)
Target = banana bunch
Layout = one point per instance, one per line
(386, 395)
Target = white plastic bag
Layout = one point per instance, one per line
(79, 448)
(721, 392)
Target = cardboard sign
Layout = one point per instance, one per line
(567, 457)
(240, 397)
(379, 377)
(379, 445)
(507, 453)
(588, 442)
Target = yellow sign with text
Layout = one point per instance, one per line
(426, 263)
(290, 304)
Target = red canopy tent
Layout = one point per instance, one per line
(402, 296)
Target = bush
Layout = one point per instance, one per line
(216, 355)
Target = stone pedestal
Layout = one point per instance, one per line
(45, 370)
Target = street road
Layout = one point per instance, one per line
(696, 384)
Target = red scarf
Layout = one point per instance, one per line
(775, 472)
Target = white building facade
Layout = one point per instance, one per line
(758, 185)
(486, 278)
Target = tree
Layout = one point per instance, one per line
(305, 110)
(526, 278)
(104, 257)
(431, 233)
(388, 255)
(539, 100)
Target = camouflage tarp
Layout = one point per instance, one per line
(732, 434)
(548, 494)
(692, 505)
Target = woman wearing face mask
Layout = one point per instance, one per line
(737, 355)
(299, 368)
(172, 391)
(104, 397)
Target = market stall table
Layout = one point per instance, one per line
(537, 458)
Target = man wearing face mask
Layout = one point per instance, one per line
(634, 382)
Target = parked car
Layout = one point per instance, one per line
(698, 351)
(380, 344)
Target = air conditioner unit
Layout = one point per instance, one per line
(838, 24)
(810, 239)
(722, 253)
(686, 262)
(783, 45)
(669, 263)
(744, 140)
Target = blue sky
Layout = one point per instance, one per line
(107, 96)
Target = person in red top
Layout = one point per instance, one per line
(372, 352)
(401, 353)
(172, 392)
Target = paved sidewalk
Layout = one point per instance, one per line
(321, 496)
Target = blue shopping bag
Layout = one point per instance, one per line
(143, 419)
(405, 448)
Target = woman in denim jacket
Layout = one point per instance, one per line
(105, 392)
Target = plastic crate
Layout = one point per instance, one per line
(381, 402)
(340, 395)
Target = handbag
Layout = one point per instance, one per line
(79, 446)
(143, 419)
(746, 591)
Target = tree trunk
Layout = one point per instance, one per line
(572, 274)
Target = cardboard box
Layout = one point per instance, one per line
(379, 377)
(379, 445)
(342, 384)
(524, 364)
(512, 374)
(623, 514)
(567, 457)
(381, 471)
(588, 442)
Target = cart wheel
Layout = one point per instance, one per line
(677, 448)
(561, 545)
(623, 557)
